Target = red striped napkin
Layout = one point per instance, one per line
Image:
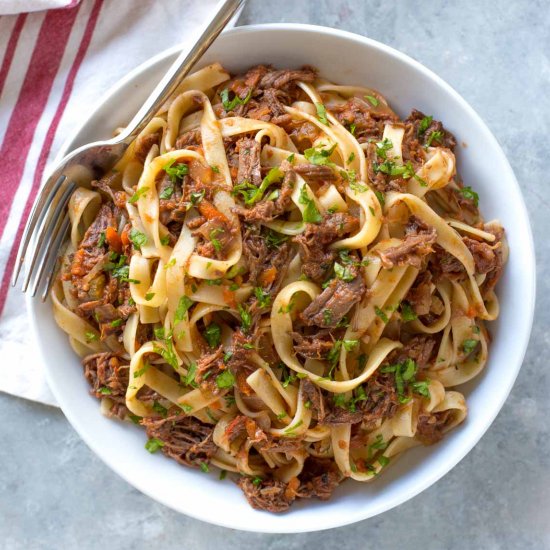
(53, 65)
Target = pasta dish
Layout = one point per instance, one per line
(283, 280)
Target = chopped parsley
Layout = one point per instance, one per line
(167, 192)
(246, 318)
(175, 171)
(105, 391)
(189, 379)
(183, 306)
(381, 314)
(154, 444)
(216, 243)
(138, 194)
(225, 380)
(157, 407)
(290, 158)
(380, 197)
(404, 374)
(334, 354)
(407, 312)
(382, 148)
(165, 241)
(204, 467)
(470, 194)
(101, 240)
(352, 128)
(469, 345)
(372, 100)
(149, 296)
(230, 104)
(116, 323)
(197, 197)
(377, 445)
(320, 156)
(434, 136)
(91, 336)
(327, 316)
(293, 428)
(134, 418)
(167, 352)
(213, 334)
(351, 177)
(251, 194)
(351, 157)
(343, 272)
(257, 481)
(383, 461)
(263, 297)
(274, 239)
(310, 213)
(424, 125)
(322, 114)
(142, 371)
(223, 474)
(214, 169)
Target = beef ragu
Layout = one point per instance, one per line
(281, 279)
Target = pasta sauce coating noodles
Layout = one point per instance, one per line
(283, 280)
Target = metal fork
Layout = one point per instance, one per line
(48, 224)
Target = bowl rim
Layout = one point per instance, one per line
(482, 424)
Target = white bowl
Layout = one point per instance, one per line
(344, 58)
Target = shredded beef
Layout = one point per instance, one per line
(285, 78)
(414, 247)
(218, 233)
(368, 123)
(268, 210)
(209, 366)
(192, 138)
(315, 346)
(420, 294)
(143, 145)
(313, 395)
(105, 185)
(415, 118)
(318, 479)
(484, 256)
(431, 426)
(419, 348)
(108, 378)
(382, 400)
(186, 439)
(315, 172)
(239, 360)
(259, 258)
(317, 258)
(249, 161)
(341, 415)
(243, 428)
(270, 494)
(337, 299)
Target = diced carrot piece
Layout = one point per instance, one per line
(113, 238)
(229, 297)
(211, 213)
(268, 276)
(124, 238)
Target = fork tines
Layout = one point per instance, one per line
(39, 252)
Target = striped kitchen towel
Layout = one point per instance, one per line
(54, 65)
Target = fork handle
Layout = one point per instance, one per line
(180, 68)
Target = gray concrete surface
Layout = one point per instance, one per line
(56, 494)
